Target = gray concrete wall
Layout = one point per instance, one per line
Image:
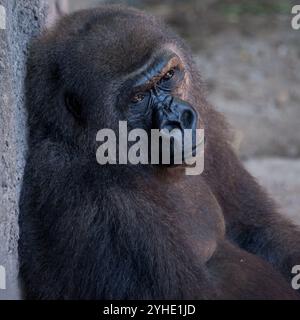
(24, 19)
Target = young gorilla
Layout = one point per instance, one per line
(137, 232)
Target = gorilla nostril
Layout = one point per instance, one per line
(187, 119)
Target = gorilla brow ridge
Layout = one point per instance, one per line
(156, 69)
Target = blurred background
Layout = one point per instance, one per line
(248, 55)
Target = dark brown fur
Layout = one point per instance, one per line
(131, 232)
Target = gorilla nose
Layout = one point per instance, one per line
(187, 115)
(188, 119)
(173, 113)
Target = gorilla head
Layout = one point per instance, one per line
(104, 66)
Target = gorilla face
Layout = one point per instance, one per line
(104, 73)
(154, 102)
(154, 94)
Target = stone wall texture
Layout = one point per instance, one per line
(24, 20)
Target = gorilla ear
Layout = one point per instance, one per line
(74, 106)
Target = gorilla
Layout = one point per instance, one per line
(90, 231)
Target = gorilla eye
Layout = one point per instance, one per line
(138, 98)
(169, 75)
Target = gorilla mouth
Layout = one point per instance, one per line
(162, 147)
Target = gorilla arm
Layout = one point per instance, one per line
(249, 276)
(251, 217)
